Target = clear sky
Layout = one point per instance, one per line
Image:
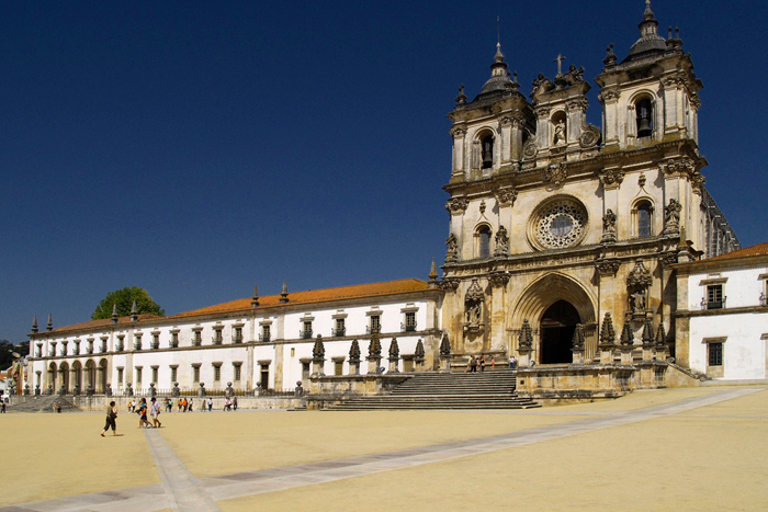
(198, 148)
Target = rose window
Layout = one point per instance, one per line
(560, 224)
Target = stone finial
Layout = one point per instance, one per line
(648, 334)
(461, 98)
(374, 347)
(627, 335)
(318, 351)
(255, 299)
(34, 325)
(354, 353)
(134, 312)
(419, 352)
(610, 57)
(284, 294)
(607, 333)
(433, 276)
(394, 349)
(114, 313)
(445, 346)
(49, 327)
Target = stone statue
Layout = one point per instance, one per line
(452, 253)
(502, 242)
(672, 216)
(609, 221)
(559, 133)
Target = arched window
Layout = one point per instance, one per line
(486, 150)
(644, 113)
(484, 242)
(644, 219)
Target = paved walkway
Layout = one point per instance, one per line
(181, 491)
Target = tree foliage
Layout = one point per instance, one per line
(9, 352)
(124, 300)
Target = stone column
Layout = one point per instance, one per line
(505, 129)
(459, 157)
(610, 100)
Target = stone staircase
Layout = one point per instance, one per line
(42, 404)
(492, 389)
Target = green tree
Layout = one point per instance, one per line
(124, 300)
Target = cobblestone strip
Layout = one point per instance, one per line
(184, 492)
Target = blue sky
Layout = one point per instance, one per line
(198, 148)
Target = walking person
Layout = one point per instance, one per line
(234, 403)
(142, 412)
(156, 413)
(482, 363)
(180, 404)
(111, 419)
(473, 365)
(210, 404)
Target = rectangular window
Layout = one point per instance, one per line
(174, 373)
(217, 372)
(197, 340)
(175, 339)
(155, 374)
(238, 334)
(119, 375)
(338, 367)
(238, 371)
(410, 321)
(120, 343)
(104, 344)
(715, 354)
(306, 333)
(218, 338)
(341, 329)
(90, 345)
(195, 373)
(155, 340)
(305, 370)
(137, 341)
(375, 324)
(715, 296)
(265, 333)
(138, 377)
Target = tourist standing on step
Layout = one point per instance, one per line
(473, 365)
(111, 419)
(482, 363)
(512, 362)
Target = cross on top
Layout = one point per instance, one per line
(559, 61)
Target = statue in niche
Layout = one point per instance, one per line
(473, 306)
(609, 226)
(672, 216)
(559, 133)
(502, 242)
(638, 282)
(452, 253)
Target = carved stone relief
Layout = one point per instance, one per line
(474, 304)
(502, 243)
(638, 283)
(452, 253)
(672, 217)
(457, 205)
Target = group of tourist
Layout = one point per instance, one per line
(475, 362)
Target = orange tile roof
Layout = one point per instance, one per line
(101, 323)
(755, 250)
(316, 296)
(305, 297)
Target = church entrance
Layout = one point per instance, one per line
(557, 327)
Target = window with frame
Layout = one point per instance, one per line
(715, 298)
(238, 334)
(237, 368)
(155, 372)
(341, 329)
(137, 341)
(77, 347)
(174, 373)
(217, 372)
(90, 346)
(119, 375)
(103, 344)
(266, 333)
(644, 219)
(375, 324)
(197, 338)
(644, 113)
(410, 321)
(120, 342)
(715, 354)
(196, 373)
(63, 348)
(484, 240)
(218, 337)
(306, 332)
(138, 376)
(174, 339)
(155, 340)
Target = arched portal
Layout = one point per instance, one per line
(557, 326)
(51, 377)
(64, 377)
(90, 374)
(101, 385)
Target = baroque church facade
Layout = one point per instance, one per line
(557, 229)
